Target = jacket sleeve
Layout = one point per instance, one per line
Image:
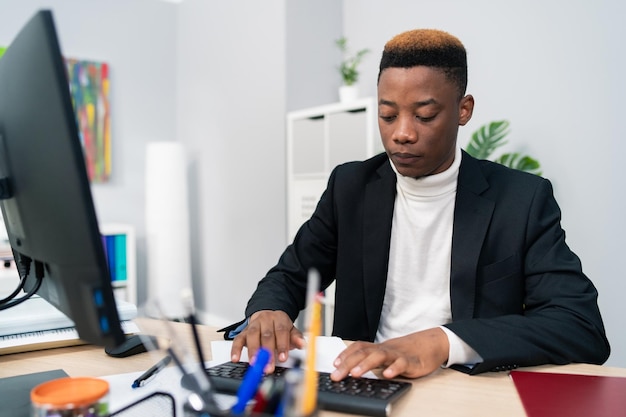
(314, 246)
(560, 321)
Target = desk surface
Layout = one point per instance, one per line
(443, 393)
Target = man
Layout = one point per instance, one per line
(439, 259)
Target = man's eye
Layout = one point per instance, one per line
(387, 118)
(426, 119)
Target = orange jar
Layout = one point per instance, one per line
(71, 397)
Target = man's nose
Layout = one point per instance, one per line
(405, 131)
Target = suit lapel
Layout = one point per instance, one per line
(472, 214)
(377, 218)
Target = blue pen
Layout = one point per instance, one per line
(251, 381)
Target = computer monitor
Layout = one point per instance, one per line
(44, 189)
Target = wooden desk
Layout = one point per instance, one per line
(443, 393)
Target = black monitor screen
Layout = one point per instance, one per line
(44, 189)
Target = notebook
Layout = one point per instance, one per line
(15, 392)
(570, 395)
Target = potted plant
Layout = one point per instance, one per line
(348, 70)
(487, 138)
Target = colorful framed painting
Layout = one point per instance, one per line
(89, 87)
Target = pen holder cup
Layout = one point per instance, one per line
(71, 397)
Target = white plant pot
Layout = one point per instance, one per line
(348, 93)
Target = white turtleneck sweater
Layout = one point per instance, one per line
(417, 296)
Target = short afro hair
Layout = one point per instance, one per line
(430, 48)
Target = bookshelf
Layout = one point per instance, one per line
(318, 139)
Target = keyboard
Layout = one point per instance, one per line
(364, 396)
(50, 338)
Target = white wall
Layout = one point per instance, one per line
(138, 40)
(554, 69)
(231, 112)
(312, 58)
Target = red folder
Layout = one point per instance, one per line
(569, 395)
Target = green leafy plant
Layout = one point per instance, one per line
(489, 137)
(348, 67)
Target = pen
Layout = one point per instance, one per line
(290, 404)
(312, 292)
(274, 397)
(150, 373)
(309, 399)
(261, 399)
(203, 379)
(188, 300)
(251, 380)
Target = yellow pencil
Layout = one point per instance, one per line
(309, 400)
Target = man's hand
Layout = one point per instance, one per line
(411, 356)
(273, 330)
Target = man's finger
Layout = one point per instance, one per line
(283, 339)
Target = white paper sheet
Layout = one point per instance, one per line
(327, 349)
(122, 394)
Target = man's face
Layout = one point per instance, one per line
(419, 113)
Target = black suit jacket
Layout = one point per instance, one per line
(518, 293)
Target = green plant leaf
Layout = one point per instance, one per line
(487, 138)
(520, 162)
(342, 44)
(348, 67)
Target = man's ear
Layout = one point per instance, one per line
(466, 109)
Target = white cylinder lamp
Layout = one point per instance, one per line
(167, 227)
